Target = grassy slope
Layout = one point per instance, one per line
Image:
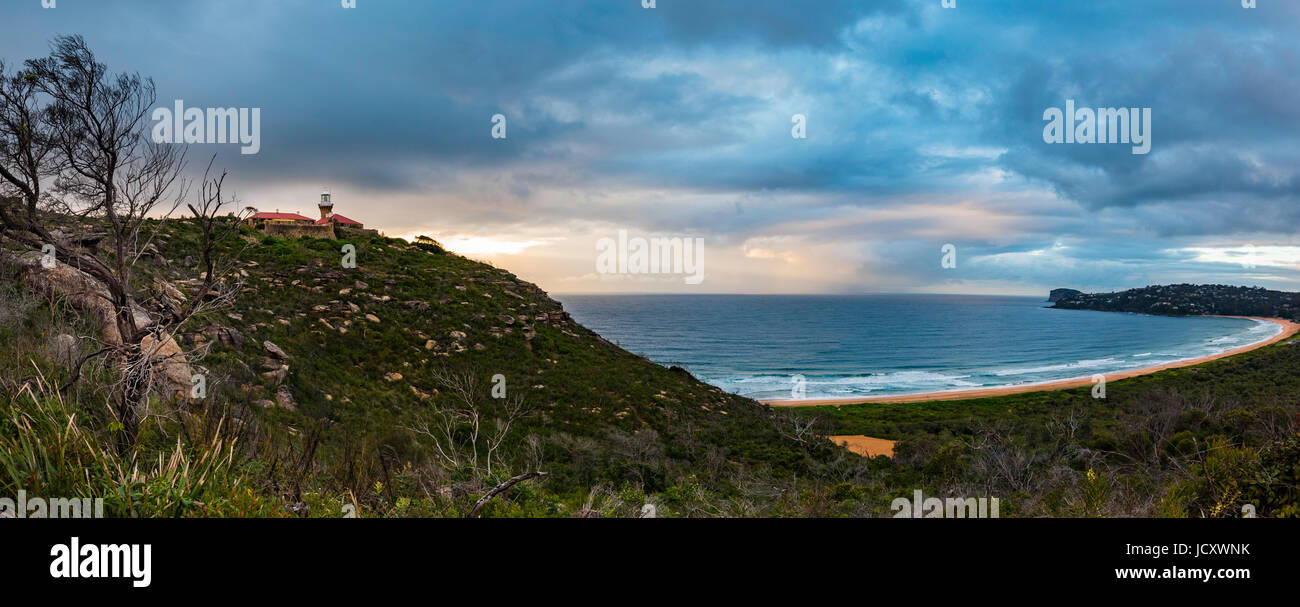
(663, 424)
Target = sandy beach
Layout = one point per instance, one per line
(1289, 329)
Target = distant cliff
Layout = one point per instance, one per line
(1062, 294)
(1188, 300)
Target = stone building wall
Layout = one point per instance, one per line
(285, 229)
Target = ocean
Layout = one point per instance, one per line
(885, 345)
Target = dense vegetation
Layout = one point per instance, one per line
(416, 382)
(1190, 300)
(1197, 441)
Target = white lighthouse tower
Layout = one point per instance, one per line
(326, 205)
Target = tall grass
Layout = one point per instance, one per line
(49, 450)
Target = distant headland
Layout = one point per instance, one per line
(1185, 300)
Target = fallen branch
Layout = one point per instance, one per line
(502, 488)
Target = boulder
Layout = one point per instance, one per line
(277, 376)
(284, 398)
(270, 364)
(274, 351)
(225, 335)
(231, 337)
(169, 290)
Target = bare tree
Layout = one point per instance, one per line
(468, 430)
(802, 429)
(79, 173)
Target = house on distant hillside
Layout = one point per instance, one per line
(293, 225)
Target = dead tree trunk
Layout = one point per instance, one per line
(502, 488)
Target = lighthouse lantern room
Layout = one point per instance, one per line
(326, 205)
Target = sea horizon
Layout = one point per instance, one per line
(720, 293)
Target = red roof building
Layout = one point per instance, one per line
(327, 216)
(339, 219)
(278, 216)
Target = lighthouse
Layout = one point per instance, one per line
(326, 205)
(328, 216)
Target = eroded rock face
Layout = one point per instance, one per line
(173, 376)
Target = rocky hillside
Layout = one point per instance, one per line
(346, 364)
(1190, 300)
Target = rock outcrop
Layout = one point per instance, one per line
(172, 374)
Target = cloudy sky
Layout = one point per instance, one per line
(924, 128)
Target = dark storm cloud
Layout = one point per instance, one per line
(680, 116)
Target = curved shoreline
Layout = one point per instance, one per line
(1289, 329)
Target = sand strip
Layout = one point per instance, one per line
(865, 446)
(1289, 329)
